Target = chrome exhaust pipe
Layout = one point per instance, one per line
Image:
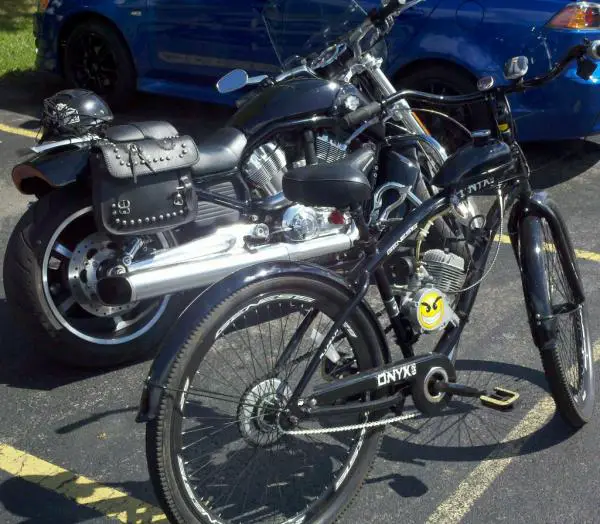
(193, 266)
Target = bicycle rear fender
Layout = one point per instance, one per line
(202, 305)
(526, 236)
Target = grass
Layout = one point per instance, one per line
(17, 44)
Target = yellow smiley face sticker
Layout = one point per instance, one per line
(430, 313)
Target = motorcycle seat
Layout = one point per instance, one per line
(338, 184)
(154, 129)
(221, 151)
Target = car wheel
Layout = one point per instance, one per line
(446, 80)
(96, 58)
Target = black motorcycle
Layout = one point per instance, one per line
(268, 401)
(130, 215)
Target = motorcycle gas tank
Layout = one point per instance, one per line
(472, 163)
(292, 98)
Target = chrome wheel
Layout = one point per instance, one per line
(74, 259)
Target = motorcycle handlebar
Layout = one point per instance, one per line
(362, 114)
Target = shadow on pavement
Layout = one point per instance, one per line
(469, 432)
(553, 163)
(21, 366)
(94, 418)
(35, 499)
(406, 486)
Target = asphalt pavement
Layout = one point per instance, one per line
(474, 465)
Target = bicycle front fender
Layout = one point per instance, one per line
(527, 239)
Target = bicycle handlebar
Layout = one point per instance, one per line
(578, 52)
(380, 15)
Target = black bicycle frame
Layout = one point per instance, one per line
(540, 311)
(523, 203)
(372, 265)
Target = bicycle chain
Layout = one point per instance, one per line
(352, 427)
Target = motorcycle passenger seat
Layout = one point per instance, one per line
(338, 184)
(221, 151)
(154, 129)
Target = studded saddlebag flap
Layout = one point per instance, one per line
(144, 186)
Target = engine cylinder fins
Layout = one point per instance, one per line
(265, 167)
(329, 150)
(447, 269)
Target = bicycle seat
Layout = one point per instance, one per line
(338, 184)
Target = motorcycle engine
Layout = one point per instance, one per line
(267, 164)
(265, 169)
(446, 269)
(426, 304)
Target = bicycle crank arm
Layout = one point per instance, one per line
(383, 380)
(458, 389)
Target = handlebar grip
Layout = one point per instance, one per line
(380, 15)
(593, 50)
(362, 114)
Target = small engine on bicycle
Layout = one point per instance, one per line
(426, 301)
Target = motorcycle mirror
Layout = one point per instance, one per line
(516, 68)
(232, 81)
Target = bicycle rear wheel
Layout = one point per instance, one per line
(218, 452)
(568, 362)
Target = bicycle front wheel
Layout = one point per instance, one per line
(568, 362)
(218, 451)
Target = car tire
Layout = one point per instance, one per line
(449, 80)
(82, 48)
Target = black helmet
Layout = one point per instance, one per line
(74, 112)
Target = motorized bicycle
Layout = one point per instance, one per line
(129, 216)
(268, 401)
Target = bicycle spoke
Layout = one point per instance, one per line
(232, 449)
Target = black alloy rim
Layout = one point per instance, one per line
(93, 63)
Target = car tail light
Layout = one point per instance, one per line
(579, 15)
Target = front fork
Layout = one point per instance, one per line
(409, 120)
(527, 239)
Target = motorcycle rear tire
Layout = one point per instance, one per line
(23, 283)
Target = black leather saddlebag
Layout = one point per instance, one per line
(144, 186)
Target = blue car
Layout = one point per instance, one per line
(180, 47)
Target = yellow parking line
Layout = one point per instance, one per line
(580, 253)
(457, 505)
(18, 131)
(84, 491)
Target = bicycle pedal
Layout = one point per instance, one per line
(501, 399)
